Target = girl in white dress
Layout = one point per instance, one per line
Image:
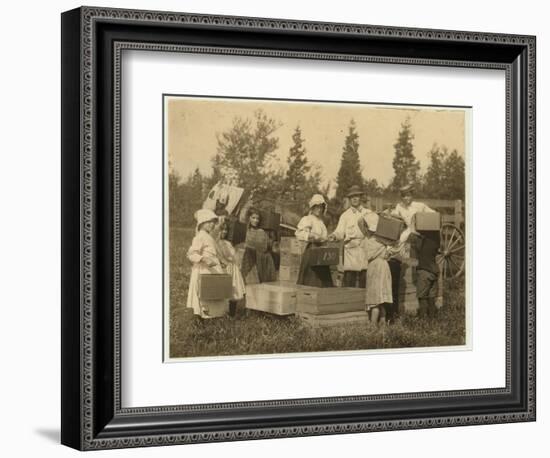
(228, 259)
(203, 253)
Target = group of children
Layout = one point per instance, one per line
(211, 253)
(366, 257)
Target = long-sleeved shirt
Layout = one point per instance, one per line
(348, 224)
(348, 230)
(407, 212)
(310, 225)
(203, 245)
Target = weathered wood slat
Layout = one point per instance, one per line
(334, 319)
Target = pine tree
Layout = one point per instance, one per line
(174, 205)
(196, 182)
(444, 178)
(298, 167)
(350, 167)
(454, 172)
(372, 188)
(405, 165)
(433, 178)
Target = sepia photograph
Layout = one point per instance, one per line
(308, 227)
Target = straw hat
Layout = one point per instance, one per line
(407, 188)
(355, 191)
(317, 199)
(204, 215)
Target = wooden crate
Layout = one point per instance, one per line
(334, 319)
(289, 273)
(292, 245)
(425, 221)
(324, 256)
(327, 309)
(278, 298)
(290, 259)
(330, 296)
(215, 287)
(389, 228)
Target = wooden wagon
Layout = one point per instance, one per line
(453, 242)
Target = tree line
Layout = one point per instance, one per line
(245, 157)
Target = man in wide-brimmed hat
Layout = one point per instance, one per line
(348, 230)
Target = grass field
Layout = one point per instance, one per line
(257, 333)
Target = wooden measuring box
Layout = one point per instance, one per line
(215, 287)
(273, 297)
(428, 221)
(389, 228)
(324, 256)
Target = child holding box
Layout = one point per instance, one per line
(379, 281)
(312, 231)
(203, 253)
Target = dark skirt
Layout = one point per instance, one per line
(308, 275)
(263, 262)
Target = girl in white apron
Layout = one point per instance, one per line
(312, 230)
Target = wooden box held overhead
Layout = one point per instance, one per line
(425, 221)
(215, 287)
(273, 297)
(324, 256)
(389, 228)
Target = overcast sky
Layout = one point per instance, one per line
(193, 123)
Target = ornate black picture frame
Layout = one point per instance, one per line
(92, 42)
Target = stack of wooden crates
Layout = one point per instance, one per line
(279, 297)
(320, 307)
(275, 297)
(317, 307)
(290, 251)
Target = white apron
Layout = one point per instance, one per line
(203, 245)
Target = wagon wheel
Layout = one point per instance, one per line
(451, 259)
